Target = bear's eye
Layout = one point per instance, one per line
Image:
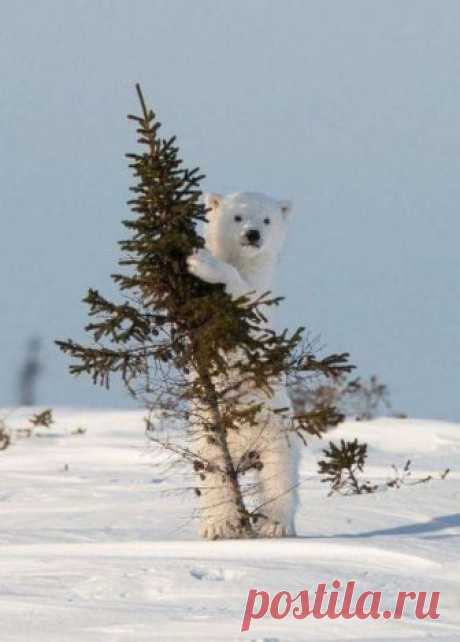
(267, 221)
(237, 218)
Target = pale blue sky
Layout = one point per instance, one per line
(351, 109)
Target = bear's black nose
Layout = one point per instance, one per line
(253, 236)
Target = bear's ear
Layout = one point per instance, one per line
(212, 200)
(286, 207)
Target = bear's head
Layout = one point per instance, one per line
(245, 226)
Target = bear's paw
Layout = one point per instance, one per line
(271, 528)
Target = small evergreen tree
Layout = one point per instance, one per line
(173, 339)
(341, 465)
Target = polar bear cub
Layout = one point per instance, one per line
(244, 236)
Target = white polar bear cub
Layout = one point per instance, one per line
(244, 238)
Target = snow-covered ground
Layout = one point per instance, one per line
(97, 544)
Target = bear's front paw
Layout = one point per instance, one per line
(206, 267)
(272, 528)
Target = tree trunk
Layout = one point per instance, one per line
(246, 529)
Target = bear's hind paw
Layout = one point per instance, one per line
(221, 530)
(271, 528)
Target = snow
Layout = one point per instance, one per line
(98, 541)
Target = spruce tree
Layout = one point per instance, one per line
(173, 338)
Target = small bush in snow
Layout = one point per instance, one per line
(42, 419)
(344, 464)
(5, 439)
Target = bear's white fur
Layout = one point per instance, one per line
(244, 238)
